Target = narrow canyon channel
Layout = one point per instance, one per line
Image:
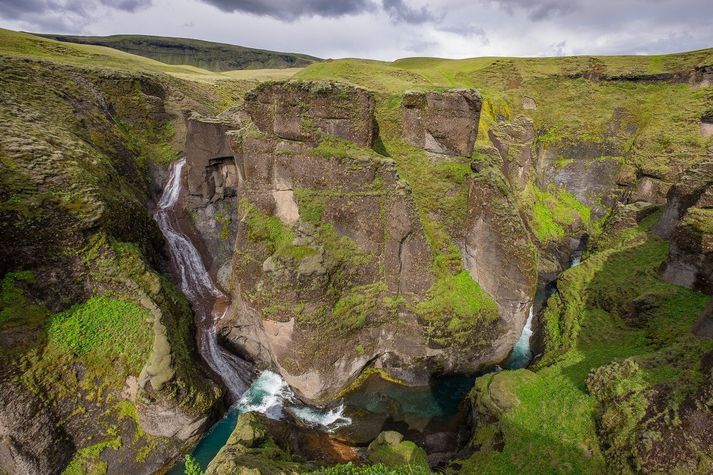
(423, 414)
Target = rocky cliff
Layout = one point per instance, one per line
(98, 363)
(332, 247)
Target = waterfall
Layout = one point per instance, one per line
(197, 285)
(269, 394)
(522, 353)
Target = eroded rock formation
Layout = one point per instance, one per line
(332, 268)
(444, 123)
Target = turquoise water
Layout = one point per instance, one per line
(521, 354)
(270, 395)
(211, 443)
(377, 405)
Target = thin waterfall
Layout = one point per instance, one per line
(197, 285)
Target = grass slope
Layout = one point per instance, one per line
(551, 423)
(208, 55)
(25, 45)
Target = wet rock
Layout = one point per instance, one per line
(443, 123)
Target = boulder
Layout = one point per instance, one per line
(391, 450)
(442, 122)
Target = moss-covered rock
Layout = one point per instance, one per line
(391, 450)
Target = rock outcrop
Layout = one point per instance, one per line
(586, 170)
(303, 111)
(514, 142)
(687, 220)
(31, 440)
(332, 268)
(499, 255)
(212, 188)
(444, 123)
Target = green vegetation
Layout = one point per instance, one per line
(358, 304)
(278, 238)
(14, 305)
(583, 405)
(87, 462)
(208, 55)
(462, 303)
(105, 328)
(556, 213)
(192, 466)
(378, 469)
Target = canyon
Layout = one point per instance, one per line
(345, 261)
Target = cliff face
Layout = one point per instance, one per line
(687, 220)
(334, 269)
(85, 315)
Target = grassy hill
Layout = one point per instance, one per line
(202, 54)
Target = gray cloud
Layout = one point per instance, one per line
(388, 29)
(400, 12)
(294, 9)
(539, 9)
(466, 30)
(62, 15)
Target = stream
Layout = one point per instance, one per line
(377, 405)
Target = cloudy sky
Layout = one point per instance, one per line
(389, 29)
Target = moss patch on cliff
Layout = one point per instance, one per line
(105, 328)
(464, 306)
(555, 213)
(15, 307)
(615, 336)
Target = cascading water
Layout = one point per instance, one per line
(521, 354)
(197, 285)
(269, 393)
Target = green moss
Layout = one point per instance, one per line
(277, 237)
(87, 461)
(311, 205)
(555, 213)
(455, 306)
(225, 221)
(15, 307)
(700, 220)
(356, 306)
(562, 418)
(103, 327)
(378, 469)
(406, 453)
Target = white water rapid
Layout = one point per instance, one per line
(522, 353)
